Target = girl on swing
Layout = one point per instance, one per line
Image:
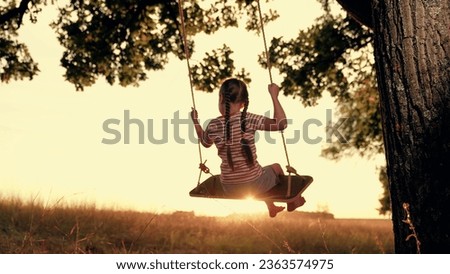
(233, 133)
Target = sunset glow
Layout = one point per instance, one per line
(51, 136)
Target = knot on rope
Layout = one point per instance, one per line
(203, 167)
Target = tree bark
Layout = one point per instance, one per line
(412, 54)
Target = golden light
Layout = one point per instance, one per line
(250, 198)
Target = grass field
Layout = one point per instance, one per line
(33, 227)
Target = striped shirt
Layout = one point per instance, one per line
(242, 173)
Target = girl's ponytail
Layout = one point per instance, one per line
(227, 96)
(245, 144)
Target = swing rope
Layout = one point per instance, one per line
(289, 168)
(269, 64)
(202, 166)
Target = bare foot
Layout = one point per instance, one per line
(296, 204)
(274, 210)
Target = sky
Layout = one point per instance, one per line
(52, 138)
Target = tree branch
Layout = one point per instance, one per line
(17, 12)
(361, 10)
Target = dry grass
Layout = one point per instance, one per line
(33, 227)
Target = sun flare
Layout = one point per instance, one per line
(250, 198)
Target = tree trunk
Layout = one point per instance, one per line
(412, 53)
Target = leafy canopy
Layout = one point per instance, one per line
(123, 39)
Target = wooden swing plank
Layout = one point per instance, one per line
(212, 188)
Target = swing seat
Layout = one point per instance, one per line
(212, 188)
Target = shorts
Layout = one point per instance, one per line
(264, 183)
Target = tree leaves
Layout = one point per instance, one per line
(16, 62)
(122, 40)
(334, 55)
(216, 66)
